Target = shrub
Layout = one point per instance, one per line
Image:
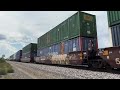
(3, 71)
(5, 67)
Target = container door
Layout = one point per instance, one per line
(88, 25)
(85, 42)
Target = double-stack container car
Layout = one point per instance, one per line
(68, 42)
(112, 54)
(29, 52)
(11, 58)
(18, 55)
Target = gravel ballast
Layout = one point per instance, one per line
(39, 71)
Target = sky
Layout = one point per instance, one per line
(19, 28)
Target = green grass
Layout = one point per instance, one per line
(5, 67)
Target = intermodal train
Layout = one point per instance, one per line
(72, 42)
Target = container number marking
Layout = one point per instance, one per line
(117, 60)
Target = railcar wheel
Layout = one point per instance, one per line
(96, 64)
(108, 67)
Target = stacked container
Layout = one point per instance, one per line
(18, 55)
(71, 35)
(29, 52)
(114, 24)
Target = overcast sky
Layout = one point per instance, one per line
(19, 28)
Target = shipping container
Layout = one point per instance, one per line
(12, 57)
(80, 24)
(115, 32)
(81, 44)
(64, 30)
(111, 55)
(85, 42)
(73, 45)
(29, 52)
(113, 17)
(88, 26)
(39, 52)
(64, 47)
(18, 55)
(55, 49)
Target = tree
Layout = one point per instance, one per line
(3, 56)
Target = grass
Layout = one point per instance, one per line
(5, 67)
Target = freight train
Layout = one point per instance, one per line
(72, 42)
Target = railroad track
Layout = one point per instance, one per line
(42, 71)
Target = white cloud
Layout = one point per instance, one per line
(6, 48)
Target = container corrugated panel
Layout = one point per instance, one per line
(113, 36)
(43, 41)
(88, 26)
(30, 47)
(85, 42)
(66, 47)
(53, 35)
(58, 33)
(26, 55)
(74, 45)
(13, 56)
(113, 17)
(64, 31)
(81, 44)
(34, 48)
(18, 55)
(70, 46)
(38, 45)
(115, 30)
(30, 50)
(46, 51)
(26, 48)
(57, 48)
(74, 26)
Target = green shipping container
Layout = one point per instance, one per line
(113, 17)
(83, 25)
(30, 48)
(80, 24)
(53, 35)
(64, 31)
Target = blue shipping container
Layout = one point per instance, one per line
(66, 47)
(57, 49)
(85, 42)
(74, 45)
(18, 55)
(115, 30)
